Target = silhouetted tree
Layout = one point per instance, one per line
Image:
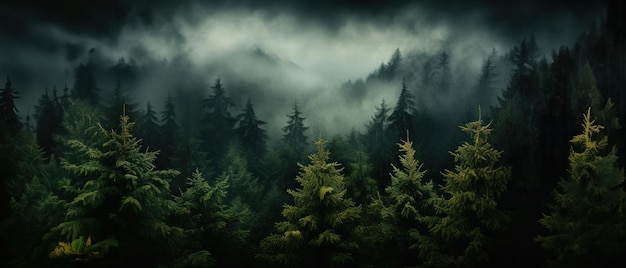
(217, 123)
(8, 110)
(85, 85)
(294, 135)
(586, 221)
(251, 135)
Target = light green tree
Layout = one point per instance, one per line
(470, 215)
(317, 227)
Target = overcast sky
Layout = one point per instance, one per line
(323, 43)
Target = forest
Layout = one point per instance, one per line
(518, 165)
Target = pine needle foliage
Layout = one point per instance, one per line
(317, 227)
(121, 196)
(586, 221)
(412, 200)
(469, 209)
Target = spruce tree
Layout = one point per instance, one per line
(118, 101)
(361, 188)
(250, 133)
(213, 226)
(148, 129)
(121, 198)
(169, 130)
(8, 110)
(587, 222)
(471, 218)
(294, 135)
(317, 226)
(445, 77)
(49, 114)
(403, 117)
(85, 85)
(218, 123)
(486, 80)
(378, 142)
(412, 201)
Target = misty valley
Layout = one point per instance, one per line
(237, 139)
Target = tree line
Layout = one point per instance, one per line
(537, 179)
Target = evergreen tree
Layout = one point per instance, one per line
(149, 130)
(402, 119)
(218, 123)
(169, 130)
(213, 226)
(49, 114)
(379, 142)
(187, 155)
(8, 111)
(317, 227)
(113, 111)
(361, 188)
(124, 200)
(85, 85)
(587, 222)
(294, 132)
(445, 77)
(471, 218)
(412, 201)
(485, 87)
(250, 133)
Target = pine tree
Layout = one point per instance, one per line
(8, 111)
(169, 130)
(187, 155)
(361, 188)
(294, 135)
(250, 133)
(485, 87)
(149, 130)
(379, 142)
(119, 101)
(212, 224)
(218, 123)
(471, 217)
(121, 199)
(402, 119)
(49, 114)
(445, 77)
(85, 85)
(412, 201)
(316, 230)
(587, 222)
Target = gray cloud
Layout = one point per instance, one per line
(274, 52)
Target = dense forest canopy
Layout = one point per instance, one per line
(312, 133)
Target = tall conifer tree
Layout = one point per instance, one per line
(587, 220)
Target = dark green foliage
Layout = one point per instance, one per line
(119, 101)
(217, 123)
(294, 135)
(8, 111)
(250, 133)
(587, 222)
(317, 227)
(49, 114)
(187, 155)
(378, 141)
(214, 227)
(485, 87)
(149, 130)
(85, 85)
(360, 187)
(169, 130)
(411, 200)
(471, 218)
(119, 195)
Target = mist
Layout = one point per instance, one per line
(279, 54)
